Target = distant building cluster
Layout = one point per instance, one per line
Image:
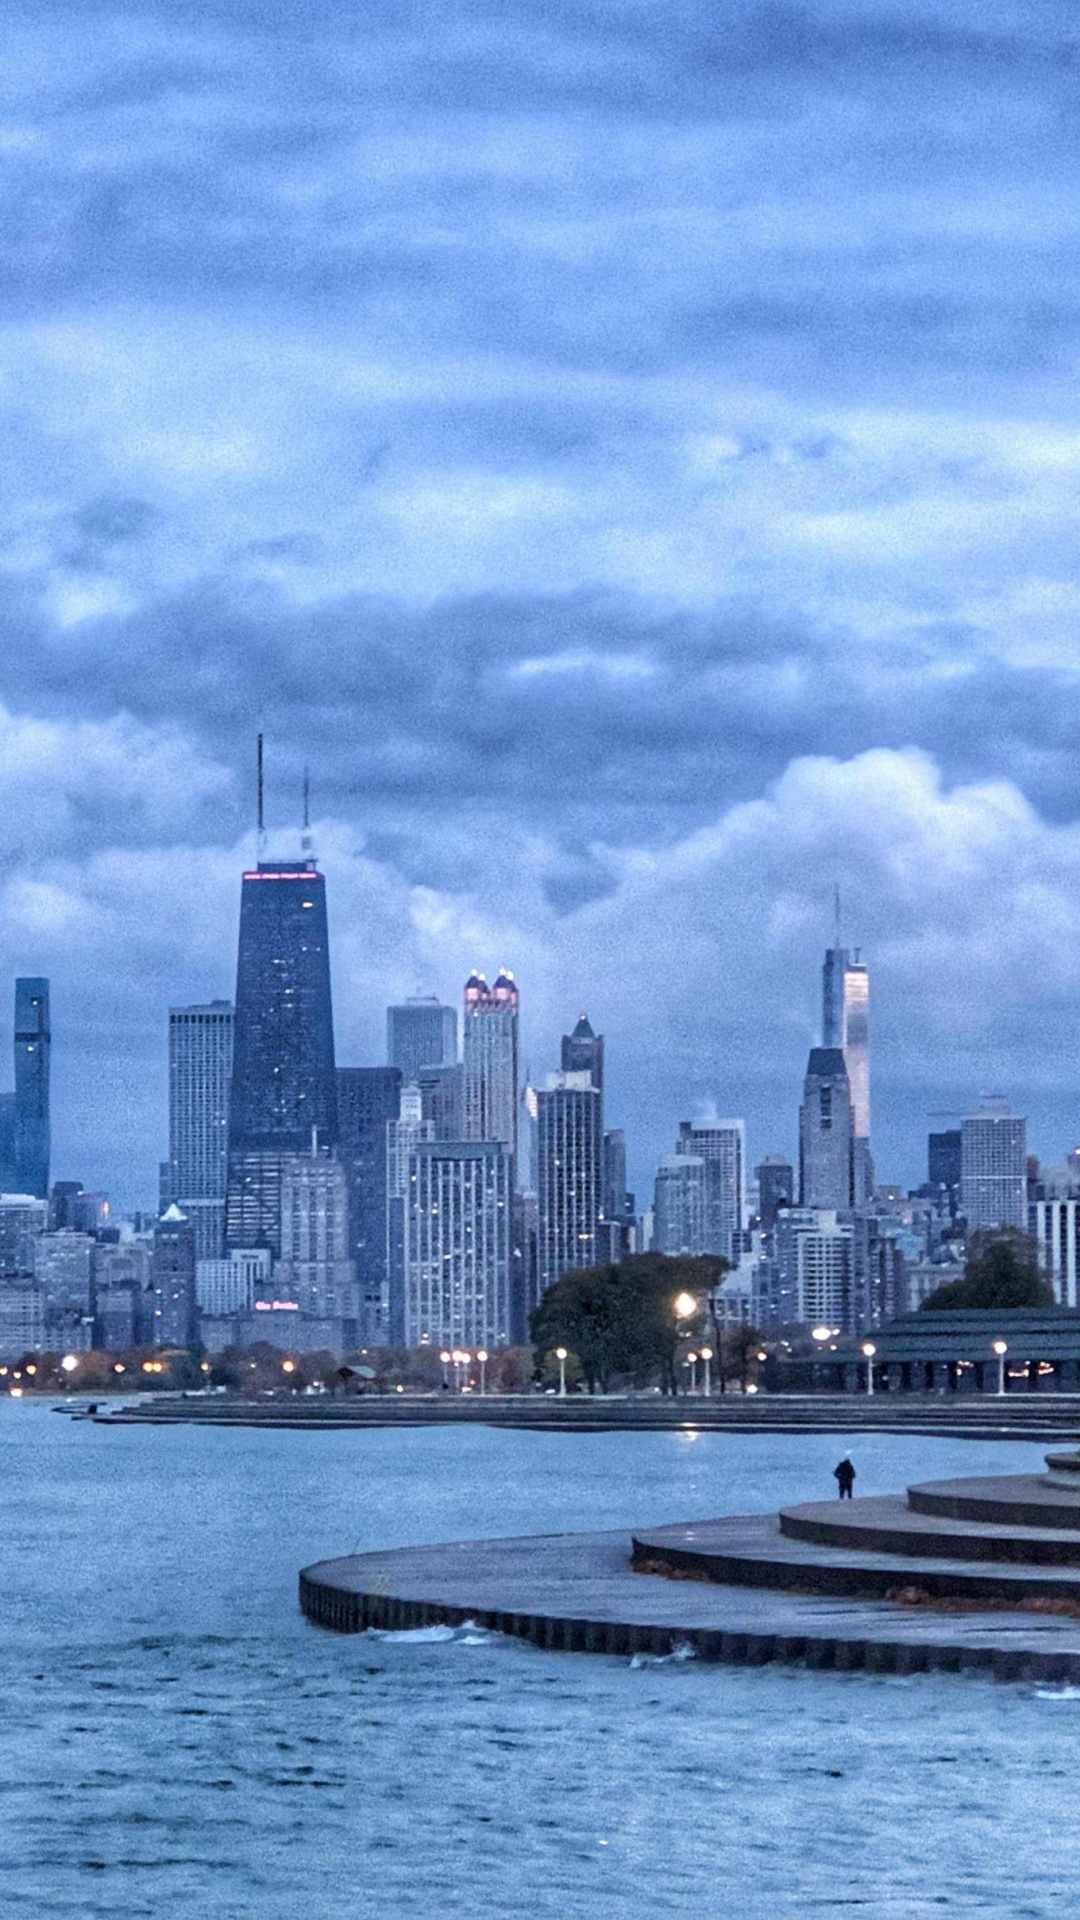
(432, 1200)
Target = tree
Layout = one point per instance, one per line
(621, 1319)
(1002, 1273)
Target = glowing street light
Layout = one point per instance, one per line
(1001, 1348)
(869, 1350)
(445, 1358)
(685, 1306)
(691, 1362)
(481, 1355)
(706, 1361)
(561, 1357)
(69, 1362)
(288, 1366)
(821, 1334)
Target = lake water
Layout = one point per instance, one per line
(177, 1742)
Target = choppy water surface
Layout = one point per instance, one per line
(176, 1742)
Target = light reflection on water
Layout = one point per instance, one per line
(178, 1743)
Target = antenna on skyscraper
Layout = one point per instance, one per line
(836, 909)
(305, 838)
(261, 825)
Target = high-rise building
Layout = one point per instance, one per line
(845, 1023)
(815, 1263)
(826, 1132)
(943, 1156)
(122, 1302)
(200, 1071)
(570, 1167)
(490, 1055)
(23, 1220)
(776, 1188)
(172, 1281)
(33, 1043)
(993, 1168)
(368, 1097)
(284, 1091)
(402, 1135)
(680, 1205)
(583, 1052)
(62, 1263)
(315, 1269)
(615, 1195)
(442, 1100)
(232, 1283)
(1055, 1225)
(420, 1033)
(457, 1244)
(722, 1146)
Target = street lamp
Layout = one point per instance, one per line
(691, 1361)
(869, 1350)
(1001, 1348)
(685, 1306)
(706, 1361)
(69, 1363)
(481, 1355)
(561, 1357)
(445, 1358)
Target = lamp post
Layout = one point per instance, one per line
(869, 1350)
(560, 1355)
(481, 1355)
(706, 1363)
(1001, 1348)
(691, 1361)
(445, 1359)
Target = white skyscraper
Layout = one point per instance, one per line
(680, 1207)
(200, 1069)
(315, 1269)
(845, 1023)
(993, 1168)
(722, 1146)
(490, 1055)
(457, 1244)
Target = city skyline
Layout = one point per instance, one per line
(904, 1115)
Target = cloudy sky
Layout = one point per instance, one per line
(631, 451)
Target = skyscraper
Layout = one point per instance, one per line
(315, 1269)
(402, 1135)
(420, 1033)
(284, 1092)
(368, 1097)
(722, 1146)
(490, 1053)
(200, 1070)
(33, 1042)
(845, 1023)
(680, 1205)
(993, 1168)
(583, 1052)
(442, 1099)
(826, 1132)
(172, 1281)
(457, 1244)
(570, 1169)
(776, 1188)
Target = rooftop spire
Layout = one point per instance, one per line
(261, 827)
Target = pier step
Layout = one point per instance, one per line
(889, 1526)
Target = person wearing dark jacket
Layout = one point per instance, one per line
(844, 1475)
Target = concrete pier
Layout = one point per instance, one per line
(981, 1574)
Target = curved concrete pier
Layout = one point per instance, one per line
(581, 1592)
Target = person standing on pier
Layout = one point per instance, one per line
(844, 1475)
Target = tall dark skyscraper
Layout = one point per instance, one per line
(368, 1098)
(33, 1041)
(826, 1132)
(284, 1091)
(583, 1052)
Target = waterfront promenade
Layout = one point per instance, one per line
(1014, 1416)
